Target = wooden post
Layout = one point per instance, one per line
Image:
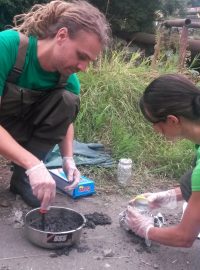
(183, 46)
(156, 49)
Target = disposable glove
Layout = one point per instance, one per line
(72, 173)
(165, 199)
(138, 223)
(42, 184)
(122, 220)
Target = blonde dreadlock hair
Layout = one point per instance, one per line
(44, 20)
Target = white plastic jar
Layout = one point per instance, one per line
(124, 171)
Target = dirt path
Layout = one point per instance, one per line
(104, 247)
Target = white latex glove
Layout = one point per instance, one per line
(42, 184)
(138, 223)
(72, 173)
(165, 199)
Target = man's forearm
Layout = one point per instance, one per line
(66, 146)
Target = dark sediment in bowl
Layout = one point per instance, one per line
(59, 227)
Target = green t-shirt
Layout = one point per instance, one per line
(33, 76)
(196, 171)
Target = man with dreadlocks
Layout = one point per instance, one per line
(39, 90)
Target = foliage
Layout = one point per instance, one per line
(134, 15)
(110, 114)
(10, 8)
(195, 3)
(129, 15)
(126, 15)
(173, 7)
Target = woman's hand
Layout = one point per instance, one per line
(165, 199)
(138, 223)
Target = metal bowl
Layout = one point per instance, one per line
(54, 239)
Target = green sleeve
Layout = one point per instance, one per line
(196, 172)
(73, 84)
(9, 43)
(196, 178)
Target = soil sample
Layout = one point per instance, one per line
(56, 222)
(97, 219)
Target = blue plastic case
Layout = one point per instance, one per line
(85, 187)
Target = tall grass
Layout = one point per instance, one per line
(110, 114)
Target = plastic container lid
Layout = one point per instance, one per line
(140, 201)
(125, 161)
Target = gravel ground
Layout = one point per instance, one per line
(102, 246)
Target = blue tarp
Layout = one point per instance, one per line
(84, 154)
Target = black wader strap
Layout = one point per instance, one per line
(18, 67)
(62, 81)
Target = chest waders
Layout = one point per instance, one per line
(35, 119)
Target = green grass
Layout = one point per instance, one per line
(109, 114)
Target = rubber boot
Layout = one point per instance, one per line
(19, 183)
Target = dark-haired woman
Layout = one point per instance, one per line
(172, 104)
